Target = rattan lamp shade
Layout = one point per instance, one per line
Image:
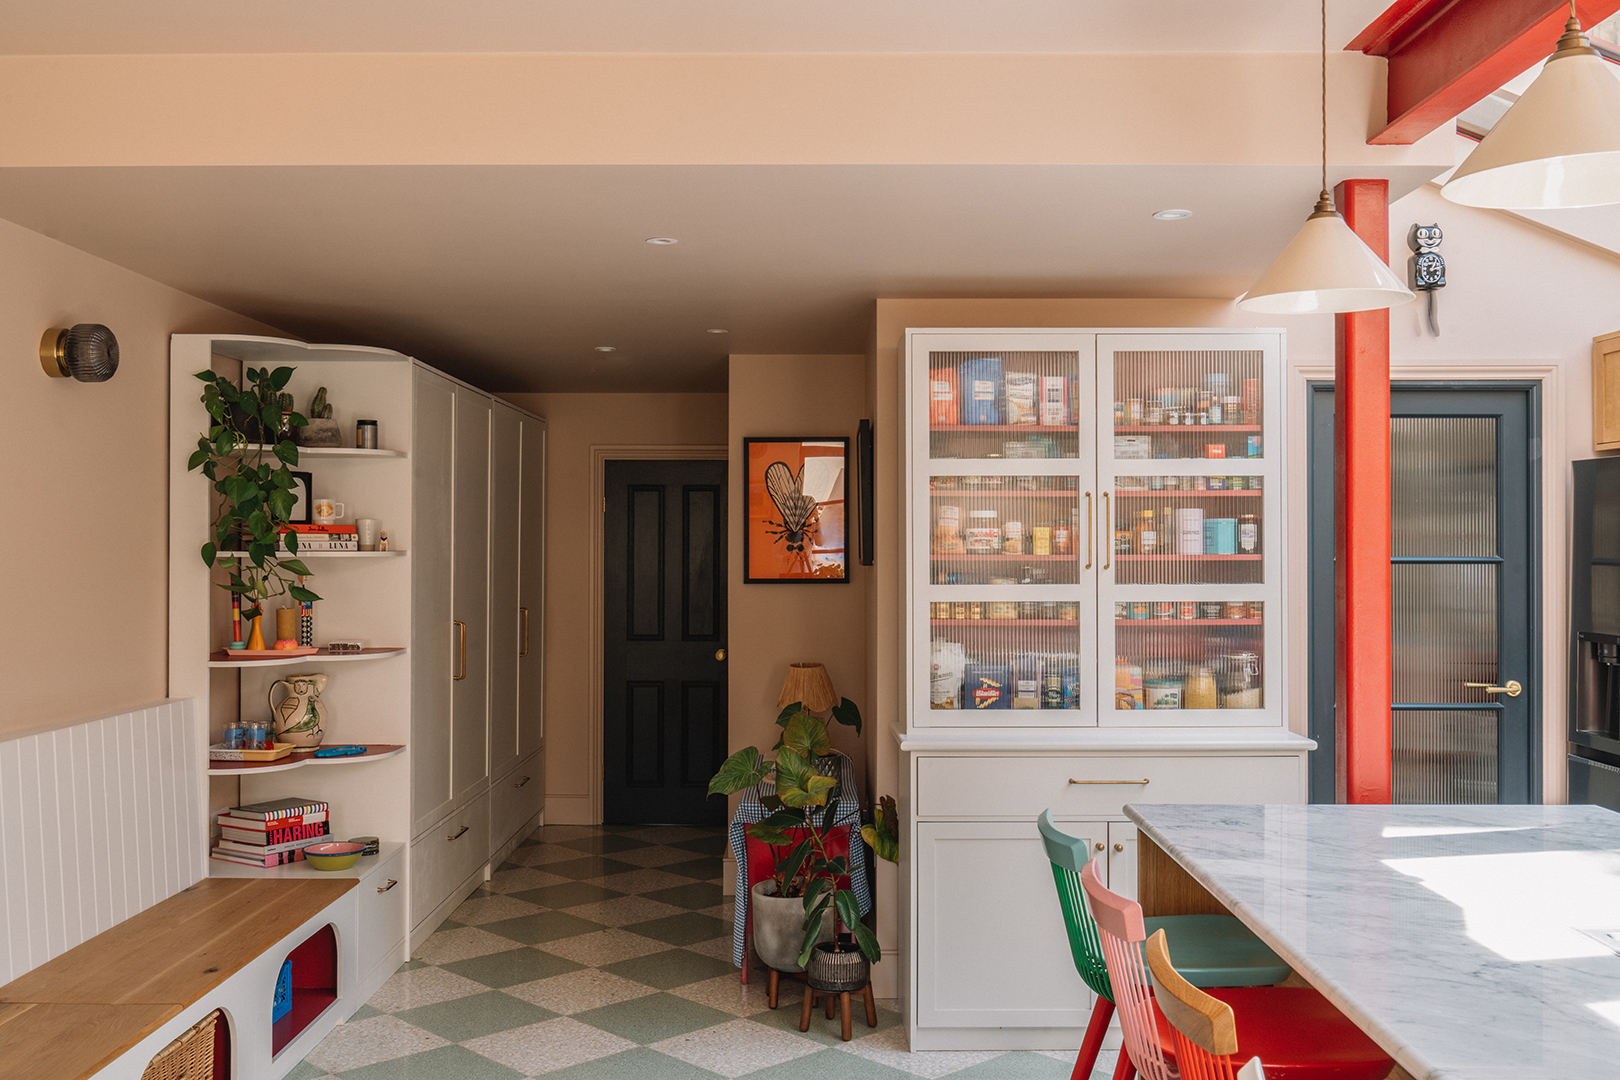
(808, 683)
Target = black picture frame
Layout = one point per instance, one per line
(760, 511)
(303, 505)
(864, 474)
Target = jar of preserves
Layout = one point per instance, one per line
(1240, 681)
(1012, 538)
(983, 532)
(959, 609)
(1062, 544)
(1257, 609)
(1198, 690)
(1123, 542)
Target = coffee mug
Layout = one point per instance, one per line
(326, 511)
(366, 530)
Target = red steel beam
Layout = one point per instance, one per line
(1445, 55)
(1361, 575)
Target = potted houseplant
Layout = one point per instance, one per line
(804, 888)
(255, 488)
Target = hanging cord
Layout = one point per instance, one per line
(1324, 203)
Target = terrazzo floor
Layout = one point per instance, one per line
(605, 952)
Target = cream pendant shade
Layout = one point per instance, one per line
(1326, 268)
(1558, 146)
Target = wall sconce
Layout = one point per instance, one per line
(808, 684)
(87, 352)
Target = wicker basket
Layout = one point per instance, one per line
(190, 1057)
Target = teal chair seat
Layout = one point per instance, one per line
(1208, 950)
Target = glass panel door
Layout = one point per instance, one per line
(1193, 560)
(1003, 520)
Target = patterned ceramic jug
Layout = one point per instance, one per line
(299, 718)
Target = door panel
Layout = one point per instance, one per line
(531, 591)
(1463, 592)
(1122, 858)
(505, 622)
(469, 754)
(664, 693)
(433, 642)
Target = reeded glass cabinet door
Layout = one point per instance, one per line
(1003, 529)
(1189, 586)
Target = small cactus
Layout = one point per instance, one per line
(320, 408)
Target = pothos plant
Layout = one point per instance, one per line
(802, 816)
(254, 483)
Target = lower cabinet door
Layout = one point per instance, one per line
(445, 855)
(992, 951)
(382, 911)
(516, 799)
(1121, 876)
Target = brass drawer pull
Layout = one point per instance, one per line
(1091, 531)
(459, 831)
(390, 885)
(1108, 523)
(521, 782)
(1072, 780)
(463, 628)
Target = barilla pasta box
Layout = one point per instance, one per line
(980, 390)
(987, 686)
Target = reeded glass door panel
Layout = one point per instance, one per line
(1005, 405)
(1184, 403)
(1445, 756)
(1189, 654)
(1443, 477)
(1189, 530)
(1007, 530)
(1444, 630)
(1001, 657)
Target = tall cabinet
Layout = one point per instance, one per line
(447, 695)
(1095, 608)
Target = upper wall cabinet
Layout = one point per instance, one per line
(1094, 528)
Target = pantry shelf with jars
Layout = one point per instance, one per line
(1094, 597)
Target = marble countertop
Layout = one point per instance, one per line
(1467, 940)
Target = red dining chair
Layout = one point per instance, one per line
(1295, 1030)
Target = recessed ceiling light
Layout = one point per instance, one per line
(606, 348)
(1172, 215)
(662, 240)
(719, 331)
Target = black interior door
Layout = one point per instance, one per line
(664, 670)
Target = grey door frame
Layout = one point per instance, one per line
(1525, 784)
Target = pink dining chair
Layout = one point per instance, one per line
(1295, 1030)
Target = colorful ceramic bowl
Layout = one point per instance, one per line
(333, 856)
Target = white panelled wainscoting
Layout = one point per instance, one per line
(99, 820)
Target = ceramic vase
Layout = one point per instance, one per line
(300, 717)
(256, 638)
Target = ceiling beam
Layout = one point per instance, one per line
(1444, 55)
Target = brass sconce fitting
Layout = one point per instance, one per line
(87, 352)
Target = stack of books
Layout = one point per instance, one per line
(325, 537)
(271, 833)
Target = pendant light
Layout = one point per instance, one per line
(1326, 267)
(1559, 145)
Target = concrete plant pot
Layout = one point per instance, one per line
(779, 927)
(320, 433)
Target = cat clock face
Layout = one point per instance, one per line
(1426, 237)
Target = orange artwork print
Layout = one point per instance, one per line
(795, 529)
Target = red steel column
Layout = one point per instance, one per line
(1361, 520)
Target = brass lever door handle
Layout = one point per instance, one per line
(1512, 689)
(462, 627)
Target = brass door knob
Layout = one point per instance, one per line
(1119, 847)
(1100, 846)
(719, 654)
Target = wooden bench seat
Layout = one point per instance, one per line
(75, 1014)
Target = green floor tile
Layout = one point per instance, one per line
(444, 1063)
(305, 1071)
(785, 1017)
(704, 845)
(687, 928)
(694, 897)
(530, 842)
(638, 1064)
(412, 965)
(509, 968)
(669, 969)
(588, 867)
(831, 1065)
(475, 1016)
(605, 844)
(1017, 1065)
(364, 1012)
(545, 926)
(566, 895)
(704, 869)
(648, 1019)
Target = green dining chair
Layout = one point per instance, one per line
(1210, 950)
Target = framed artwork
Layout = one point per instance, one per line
(795, 522)
(303, 505)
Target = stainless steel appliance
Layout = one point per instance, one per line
(1594, 605)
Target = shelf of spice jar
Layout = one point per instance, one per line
(1186, 493)
(1145, 623)
(1186, 429)
(999, 624)
(1058, 429)
(1066, 494)
(1159, 558)
(957, 556)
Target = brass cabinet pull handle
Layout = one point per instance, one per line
(1100, 845)
(1512, 689)
(1119, 847)
(463, 628)
(1108, 523)
(390, 885)
(459, 831)
(1072, 780)
(1091, 531)
(521, 782)
(525, 651)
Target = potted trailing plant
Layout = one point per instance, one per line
(255, 487)
(802, 812)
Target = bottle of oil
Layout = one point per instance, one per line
(1147, 535)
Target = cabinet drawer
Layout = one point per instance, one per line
(442, 857)
(517, 798)
(1007, 787)
(382, 911)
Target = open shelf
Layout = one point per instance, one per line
(302, 869)
(374, 752)
(1187, 622)
(221, 659)
(1184, 558)
(1069, 494)
(285, 554)
(1187, 429)
(954, 558)
(999, 624)
(1184, 493)
(1060, 429)
(331, 451)
(314, 986)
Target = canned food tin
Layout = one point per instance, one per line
(1237, 610)
(1209, 609)
(1236, 483)
(1164, 609)
(1257, 483)
(1003, 609)
(1133, 410)
(1122, 609)
(1163, 693)
(1068, 609)
(1153, 415)
(975, 609)
(1257, 609)
(1141, 609)
(1187, 609)
(1049, 609)
(1212, 483)
(959, 610)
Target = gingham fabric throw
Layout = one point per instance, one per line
(751, 810)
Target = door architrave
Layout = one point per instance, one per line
(601, 454)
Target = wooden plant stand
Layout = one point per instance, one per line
(812, 995)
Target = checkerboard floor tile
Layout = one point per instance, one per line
(605, 954)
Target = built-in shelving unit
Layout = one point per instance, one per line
(321, 554)
(332, 451)
(221, 658)
(373, 752)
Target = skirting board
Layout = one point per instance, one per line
(1005, 1038)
